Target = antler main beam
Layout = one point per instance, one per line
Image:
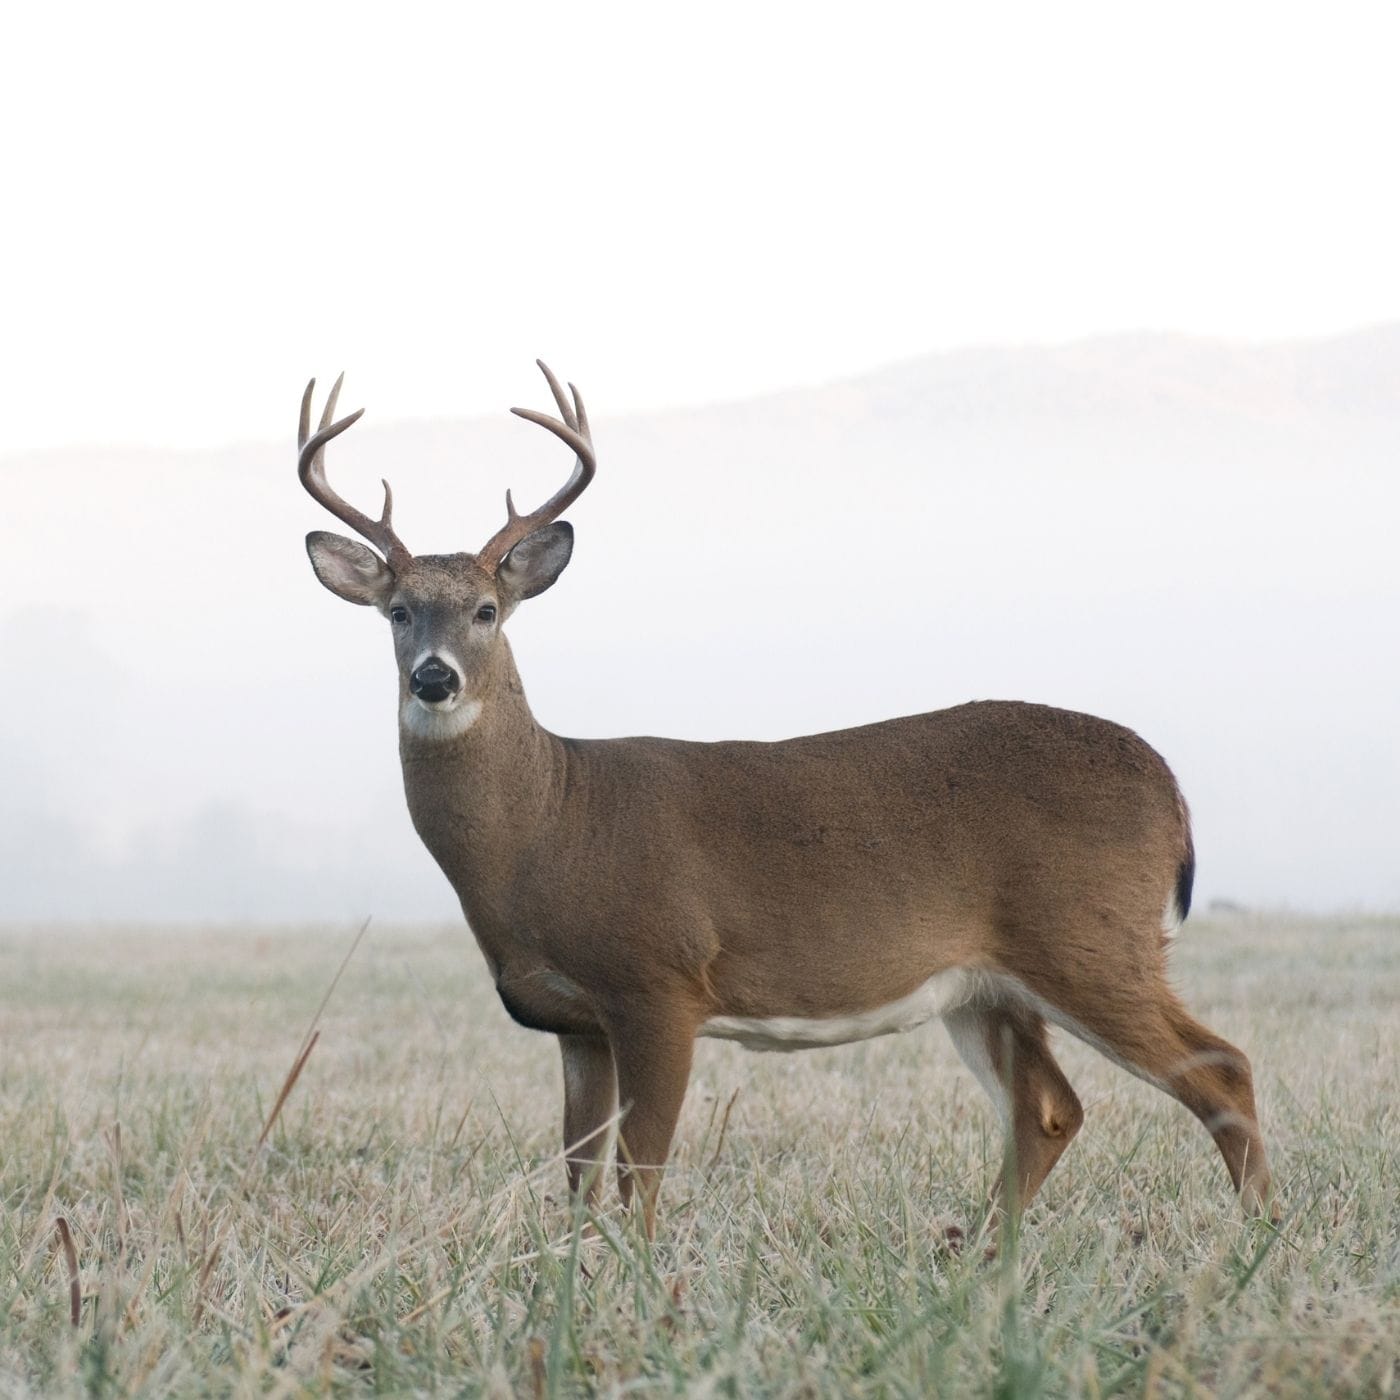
(573, 431)
(311, 468)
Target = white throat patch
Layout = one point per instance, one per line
(438, 722)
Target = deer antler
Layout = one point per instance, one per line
(311, 468)
(574, 431)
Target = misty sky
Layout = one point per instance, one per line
(682, 208)
(677, 204)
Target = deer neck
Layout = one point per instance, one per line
(485, 799)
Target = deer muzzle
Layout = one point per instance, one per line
(434, 682)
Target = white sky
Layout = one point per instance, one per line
(203, 206)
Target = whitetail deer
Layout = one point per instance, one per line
(1001, 865)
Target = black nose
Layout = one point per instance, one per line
(434, 681)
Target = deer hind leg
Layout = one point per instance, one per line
(1156, 1038)
(590, 1108)
(1006, 1049)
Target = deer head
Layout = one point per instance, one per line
(445, 610)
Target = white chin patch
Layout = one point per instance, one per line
(445, 720)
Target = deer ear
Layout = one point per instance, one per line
(536, 561)
(350, 570)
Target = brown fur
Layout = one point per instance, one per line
(822, 876)
(624, 891)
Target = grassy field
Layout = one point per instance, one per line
(403, 1229)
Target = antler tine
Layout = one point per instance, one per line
(312, 471)
(566, 433)
(575, 432)
(328, 413)
(304, 427)
(581, 413)
(565, 411)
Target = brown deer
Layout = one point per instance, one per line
(1000, 865)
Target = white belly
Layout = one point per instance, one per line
(941, 993)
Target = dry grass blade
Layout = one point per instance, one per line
(70, 1257)
(724, 1127)
(440, 1296)
(210, 1260)
(335, 982)
(461, 1123)
(40, 1236)
(539, 1374)
(288, 1084)
(114, 1142)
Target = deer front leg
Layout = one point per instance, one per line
(590, 1105)
(653, 1058)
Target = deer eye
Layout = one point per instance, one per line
(486, 612)
(398, 616)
